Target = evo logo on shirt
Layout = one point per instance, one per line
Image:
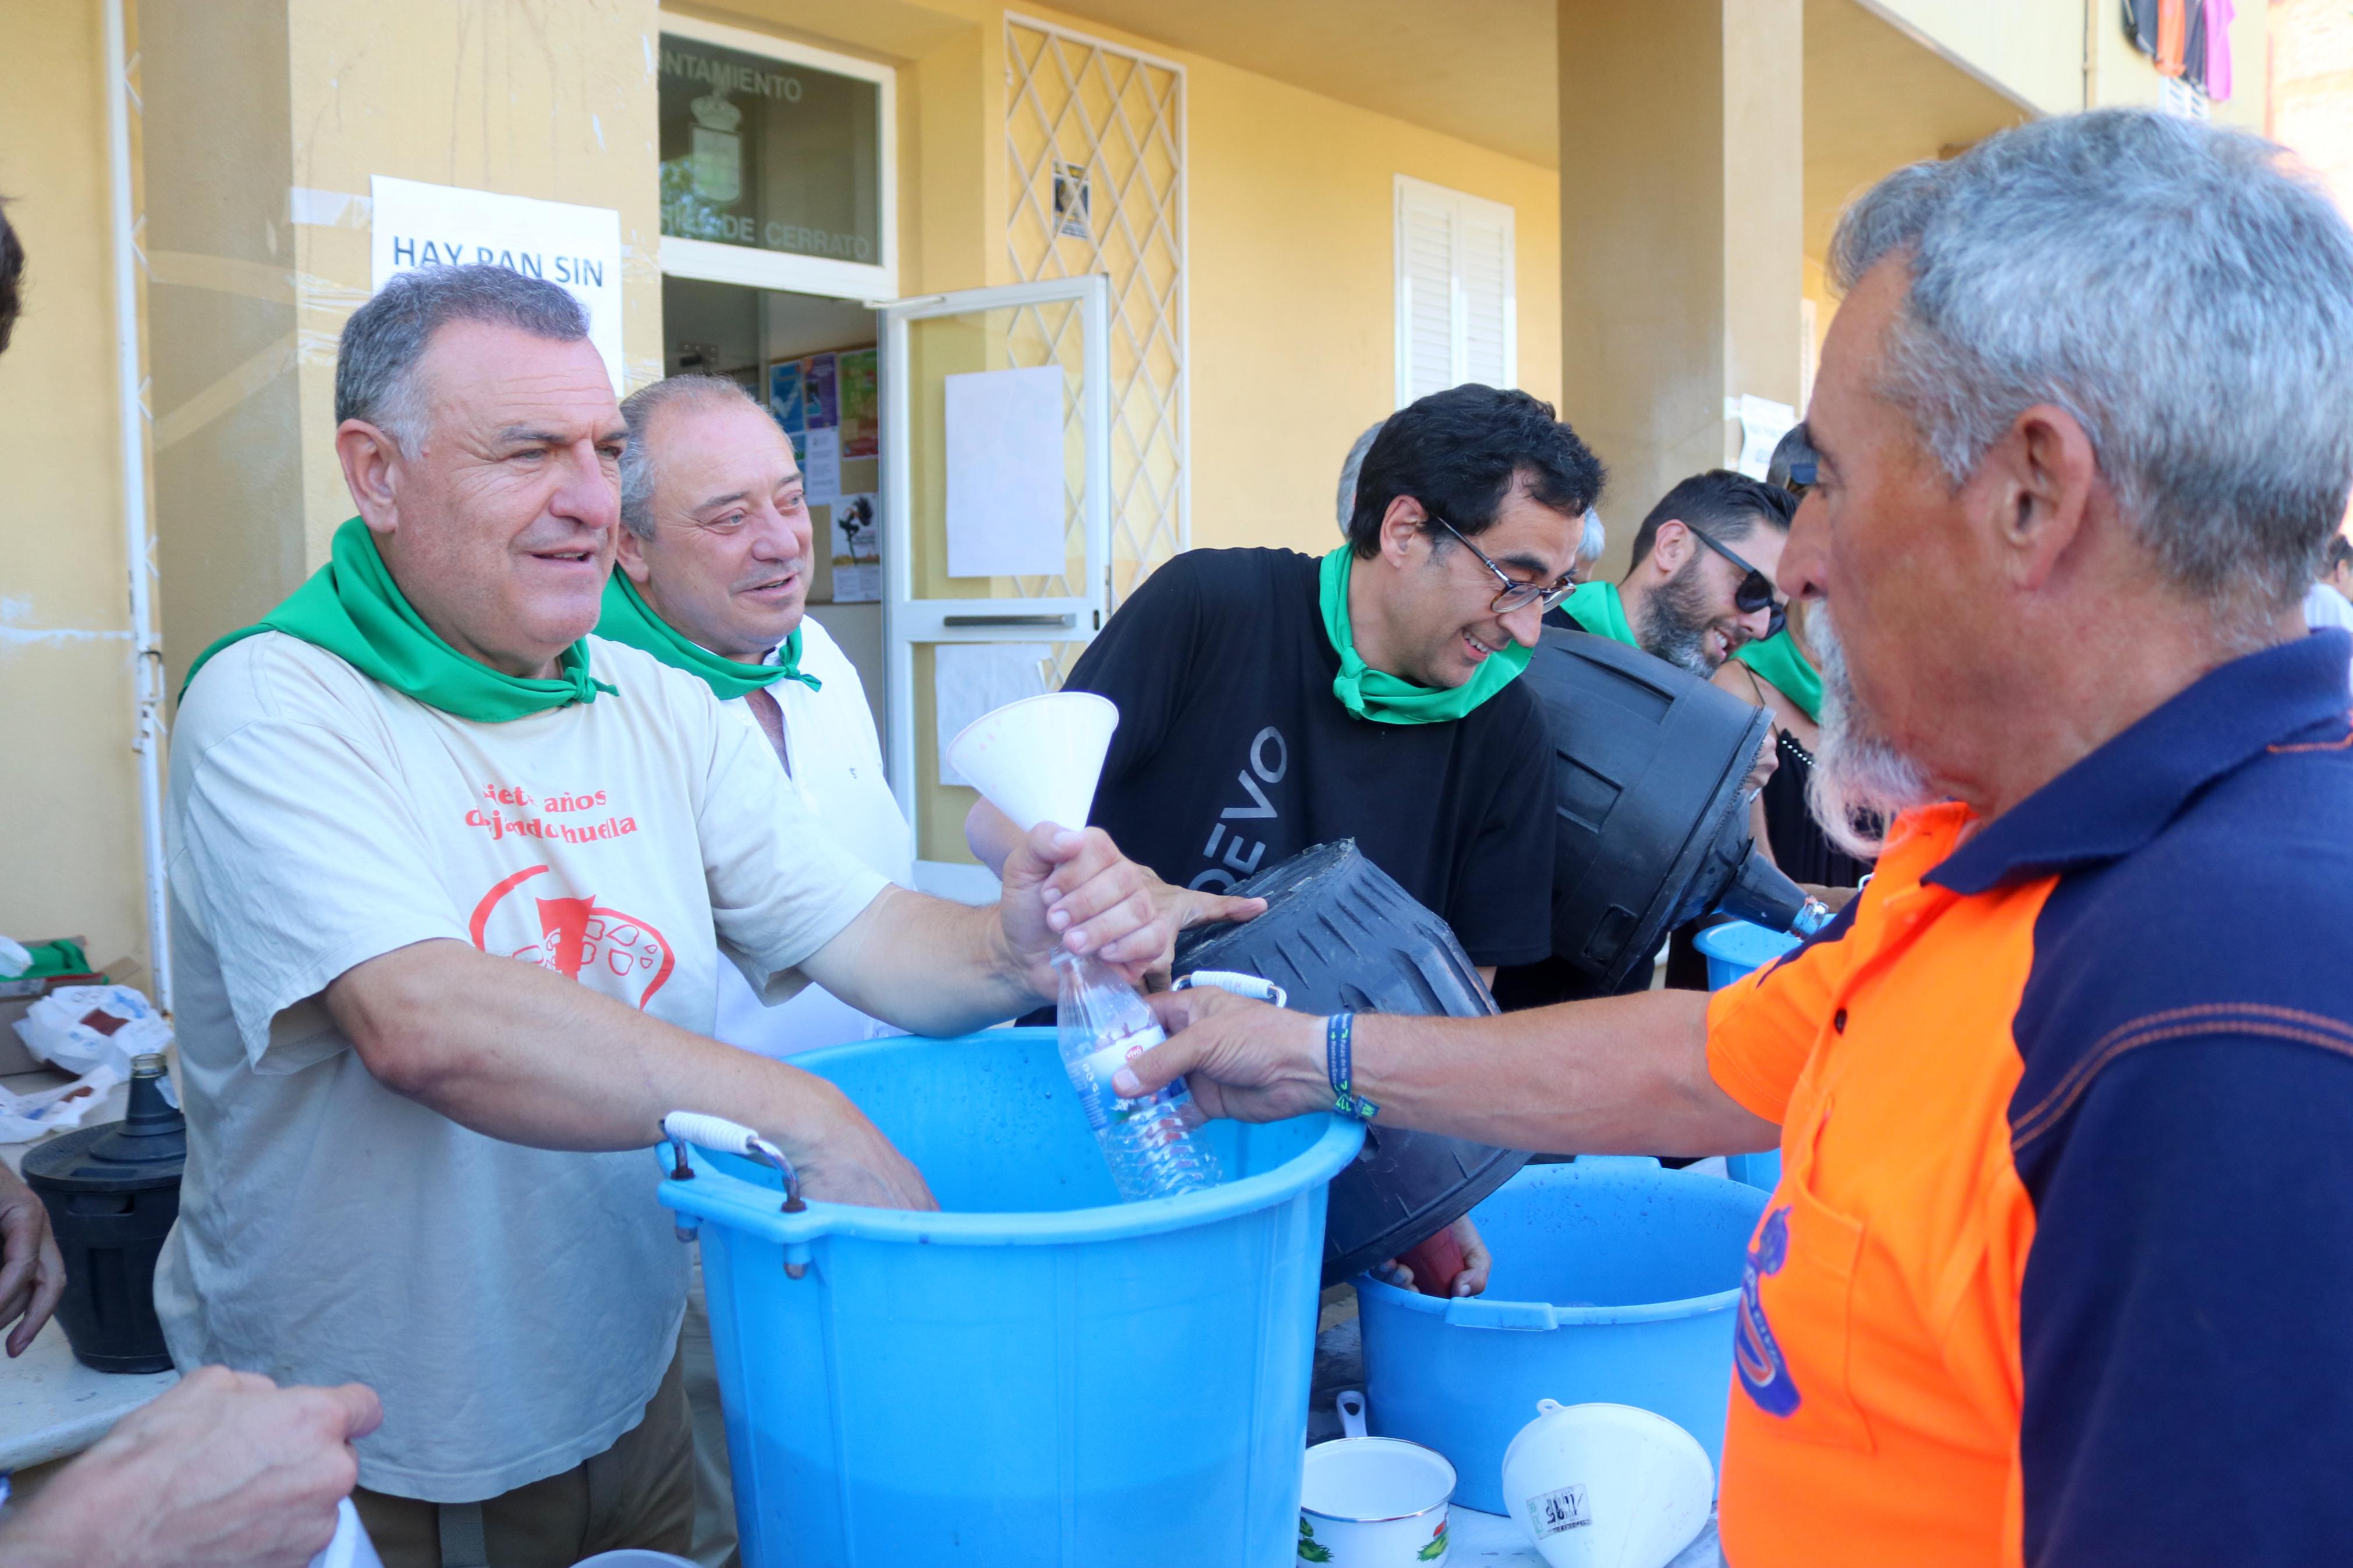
(1268, 743)
(1764, 1371)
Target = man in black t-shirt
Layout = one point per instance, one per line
(1269, 701)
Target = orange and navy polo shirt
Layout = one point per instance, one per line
(2060, 1271)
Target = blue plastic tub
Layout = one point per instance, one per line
(1040, 1375)
(1734, 948)
(1614, 1280)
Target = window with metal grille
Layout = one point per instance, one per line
(1457, 314)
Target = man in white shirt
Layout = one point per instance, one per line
(412, 1164)
(712, 577)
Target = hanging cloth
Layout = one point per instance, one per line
(628, 618)
(1386, 699)
(1597, 607)
(1779, 660)
(353, 609)
(2140, 22)
(2172, 36)
(2220, 15)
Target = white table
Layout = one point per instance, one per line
(1490, 1539)
(52, 1405)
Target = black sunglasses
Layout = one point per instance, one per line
(1516, 594)
(1755, 590)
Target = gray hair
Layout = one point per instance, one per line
(1351, 469)
(2175, 286)
(375, 365)
(1593, 541)
(639, 408)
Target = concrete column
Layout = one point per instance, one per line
(1682, 159)
(264, 121)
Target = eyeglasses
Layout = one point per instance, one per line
(1755, 590)
(1516, 594)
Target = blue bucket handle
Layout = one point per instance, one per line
(1622, 1161)
(1527, 1316)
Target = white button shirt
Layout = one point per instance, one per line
(836, 772)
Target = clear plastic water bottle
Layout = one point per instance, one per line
(1150, 1143)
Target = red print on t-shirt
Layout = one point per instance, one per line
(578, 935)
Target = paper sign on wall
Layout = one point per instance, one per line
(1005, 508)
(1763, 422)
(821, 467)
(860, 429)
(857, 550)
(575, 247)
(969, 679)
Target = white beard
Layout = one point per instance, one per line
(1861, 781)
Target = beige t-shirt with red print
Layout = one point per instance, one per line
(515, 1307)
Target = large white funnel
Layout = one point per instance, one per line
(1037, 760)
(1608, 1485)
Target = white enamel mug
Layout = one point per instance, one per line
(1373, 1502)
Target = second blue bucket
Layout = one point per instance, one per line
(1038, 1377)
(1732, 950)
(1614, 1280)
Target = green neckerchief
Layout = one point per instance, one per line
(1383, 698)
(628, 618)
(353, 609)
(1597, 607)
(1778, 659)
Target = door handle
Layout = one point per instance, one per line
(1065, 620)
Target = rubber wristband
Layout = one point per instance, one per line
(1339, 1045)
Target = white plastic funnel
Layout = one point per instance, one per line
(1039, 759)
(1608, 1485)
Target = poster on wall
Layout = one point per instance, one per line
(785, 403)
(416, 225)
(857, 550)
(821, 473)
(862, 429)
(817, 392)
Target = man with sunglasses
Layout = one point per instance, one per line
(1701, 582)
(1270, 701)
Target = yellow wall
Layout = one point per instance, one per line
(69, 857)
(1292, 245)
(2032, 49)
(1293, 294)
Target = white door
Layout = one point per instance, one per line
(984, 471)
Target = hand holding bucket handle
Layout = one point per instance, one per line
(684, 1127)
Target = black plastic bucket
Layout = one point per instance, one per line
(1652, 823)
(112, 1191)
(1339, 933)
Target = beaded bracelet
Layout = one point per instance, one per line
(1339, 1040)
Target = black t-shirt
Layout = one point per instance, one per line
(1232, 754)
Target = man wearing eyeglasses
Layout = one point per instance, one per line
(1701, 582)
(1269, 701)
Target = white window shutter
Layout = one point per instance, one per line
(1457, 305)
(1426, 282)
(1486, 248)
